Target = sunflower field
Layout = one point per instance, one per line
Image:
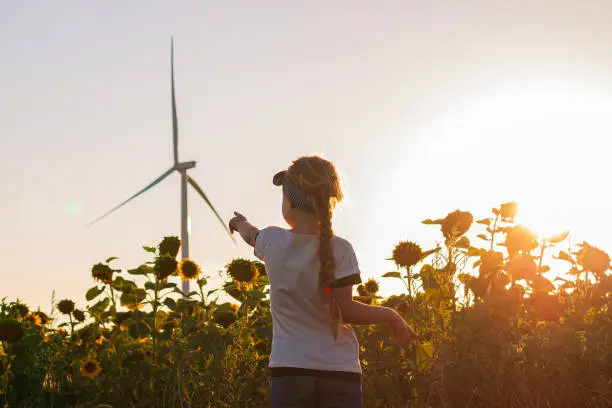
(510, 320)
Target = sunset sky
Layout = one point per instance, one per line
(425, 107)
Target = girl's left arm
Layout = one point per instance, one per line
(247, 231)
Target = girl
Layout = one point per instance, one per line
(315, 355)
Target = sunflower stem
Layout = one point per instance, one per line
(494, 231)
(155, 303)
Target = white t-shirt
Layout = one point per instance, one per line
(302, 336)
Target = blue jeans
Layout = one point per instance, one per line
(314, 392)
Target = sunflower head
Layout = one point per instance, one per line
(242, 270)
(519, 240)
(33, 318)
(407, 254)
(593, 259)
(39, 318)
(508, 211)
(10, 330)
(21, 309)
(79, 315)
(187, 269)
(371, 287)
(169, 247)
(456, 224)
(164, 267)
(65, 306)
(90, 369)
(102, 273)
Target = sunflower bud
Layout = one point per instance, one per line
(362, 291)
(242, 270)
(65, 306)
(407, 254)
(169, 247)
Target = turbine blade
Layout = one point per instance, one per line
(201, 193)
(174, 116)
(155, 182)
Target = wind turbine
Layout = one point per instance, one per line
(181, 168)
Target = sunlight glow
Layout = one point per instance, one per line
(545, 147)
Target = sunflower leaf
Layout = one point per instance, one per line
(392, 275)
(93, 293)
(171, 303)
(432, 222)
(150, 249)
(111, 259)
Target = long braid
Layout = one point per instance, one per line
(327, 262)
(319, 178)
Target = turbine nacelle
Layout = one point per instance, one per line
(186, 165)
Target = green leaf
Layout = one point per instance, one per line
(555, 239)
(141, 270)
(541, 284)
(167, 285)
(430, 252)
(100, 306)
(433, 222)
(171, 303)
(111, 259)
(483, 236)
(545, 268)
(149, 285)
(150, 249)
(495, 211)
(118, 283)
(131, 298)
(564, 256)
(473, 251)
(484, 221)
(93, 293)
(463, 242)
(392, 275)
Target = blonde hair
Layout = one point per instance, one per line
(319, 179)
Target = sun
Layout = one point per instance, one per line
(544, 145)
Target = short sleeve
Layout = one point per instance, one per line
(262, 243)
(347, 268)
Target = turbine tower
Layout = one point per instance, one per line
(181, 168)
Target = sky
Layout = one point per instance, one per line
(425, 107)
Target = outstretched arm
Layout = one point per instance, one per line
(247, 231)
(359, 313)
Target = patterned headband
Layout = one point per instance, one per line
(296, 196)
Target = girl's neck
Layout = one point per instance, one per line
(306, 227)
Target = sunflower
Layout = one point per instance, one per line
(91, 369)
(362, 291)
(164, 267)
(37, 318)
(79, 315)
(520, 240)
(456, 224)
(21, 309)
(65, 306)
(407, 254)
(33, 318)
(593, 259)
(10, 330)
(169, 247)
(508, 211)
(371, 287)
(102, 273)
(187, 269)
(242, 270)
